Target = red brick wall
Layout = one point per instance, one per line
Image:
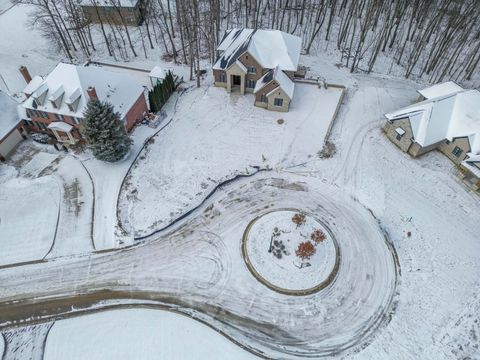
(265, 90)
(247, 60)
(136, 112)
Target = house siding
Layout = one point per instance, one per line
(406, 140)
(9, 143)
(447, 149)
(136, 112)
(216, 76)
(280, 94)
(264, 91)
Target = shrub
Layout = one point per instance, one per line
(317, 236)
(305, 250)
(298, 219)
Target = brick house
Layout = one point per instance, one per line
(112, 11)
(447, 118)
(262, 62)
(55, 104)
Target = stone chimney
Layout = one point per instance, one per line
(92, 93)
(25, 74)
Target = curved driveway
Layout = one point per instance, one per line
(198, 269)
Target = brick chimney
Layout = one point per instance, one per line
(92, 93)
(25, 74)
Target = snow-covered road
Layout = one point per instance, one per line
(199, 267)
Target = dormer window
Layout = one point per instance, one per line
(56, 97)
(73, 100)
(40, 95)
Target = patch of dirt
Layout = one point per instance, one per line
(71, 196)
(329, 149)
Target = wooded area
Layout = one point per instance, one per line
(436, 40)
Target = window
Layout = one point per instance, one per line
(400, 132)
(251, 84)
(223, 78)
(41, 125)
(252, 70)
(278, 102)
(263, 98)
(59, 117)
(77, 120)
(457, 151)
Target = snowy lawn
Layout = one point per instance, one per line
(271, 242)
(46, 200)
(108, 178)
(213, 137)
(29, 211)
(138, 334)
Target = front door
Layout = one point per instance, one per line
(236, 80)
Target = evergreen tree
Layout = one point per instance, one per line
(105, 132)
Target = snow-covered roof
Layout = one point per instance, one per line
(33, 85)
(72, 81)
(158, 72)
(8, 114)
(60, 126)
(279, 76)
(270, 48)
(442, 89)
(122, 3)
(445, 117)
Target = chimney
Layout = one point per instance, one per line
(26, 74)
(92, 93)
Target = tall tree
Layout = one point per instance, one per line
(105, 132)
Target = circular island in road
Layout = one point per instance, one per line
(290, 251)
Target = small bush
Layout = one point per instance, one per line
(305, 250)
(298, 219)
(317, 236)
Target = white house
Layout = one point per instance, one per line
(448, 120)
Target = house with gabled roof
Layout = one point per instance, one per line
(55, 103)
(262, 62)
(447, 119)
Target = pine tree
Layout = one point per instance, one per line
(105, 132)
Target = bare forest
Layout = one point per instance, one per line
(434, 40)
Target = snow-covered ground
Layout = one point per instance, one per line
(108, 179)
(138, 334)
(46, 204)
(213, 137)
(431, 313)
(271, 242)
(28, 219)
(21, 46)
(2, 344)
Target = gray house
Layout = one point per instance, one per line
(11, 133)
